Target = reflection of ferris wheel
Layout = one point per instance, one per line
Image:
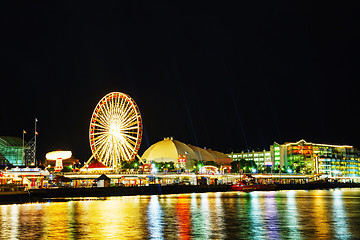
(115, 129)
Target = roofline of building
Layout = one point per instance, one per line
(319, 144)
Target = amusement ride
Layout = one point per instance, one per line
(115, 130)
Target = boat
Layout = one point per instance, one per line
(253, 187)
(13, 193)
(247, 183)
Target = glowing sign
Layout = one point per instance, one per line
(269, 163)
(182, 158)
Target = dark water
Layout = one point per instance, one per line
(315, 214)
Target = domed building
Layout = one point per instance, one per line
(207, 155)
(220, 158)
(182, 155)
(170, 150)
(202, 154)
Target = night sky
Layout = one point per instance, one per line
(212, 74)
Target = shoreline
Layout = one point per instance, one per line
(42, 195)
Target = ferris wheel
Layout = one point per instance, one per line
(115, 129)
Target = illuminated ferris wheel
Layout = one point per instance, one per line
(115, 129)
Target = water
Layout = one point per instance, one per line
(318, 214)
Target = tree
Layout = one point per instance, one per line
(212, 163)
(130, 164)
(235, 166)
(243, 164)
(67, 169)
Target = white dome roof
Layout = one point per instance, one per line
(202, 154)
(220, 158)
(169, 150)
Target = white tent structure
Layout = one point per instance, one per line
(202, 154)
(182, 155)
(220, 158)
(169, 150)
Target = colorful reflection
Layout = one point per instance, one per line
(154, 216)
(259, 215)
(218, 220)
(339, 216)
(256, 216)
(293, 228)
(321, 216)
(200, 216)
(271, 215)
(183, 217)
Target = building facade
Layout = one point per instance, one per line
(11, 148)
(307, 158)
(261, 158)
(324, 159)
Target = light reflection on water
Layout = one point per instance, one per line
(315, 214)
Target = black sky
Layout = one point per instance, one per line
(212, 74)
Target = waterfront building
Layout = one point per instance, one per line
(324, 159)
(262, 159)
(11, 148)
(327, 160)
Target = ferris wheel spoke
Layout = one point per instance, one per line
(118, 105)
(130, 122)
(101, 113)
(101, 132)
(103, 119)
(112, 107)
(106, 117)
(126, 111)
(127, 152)
(104, 151)
(129, 145)
(132, 134)
(99, 125)
(130, 137)
(128, 142)
(122, 150)
(122, 153)
(132, 144)
(101, 152)
(134, 126)
(108, 112)
(129, 117)
(99, 136)
(102, 143)
(121, 109)
(116, 155)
